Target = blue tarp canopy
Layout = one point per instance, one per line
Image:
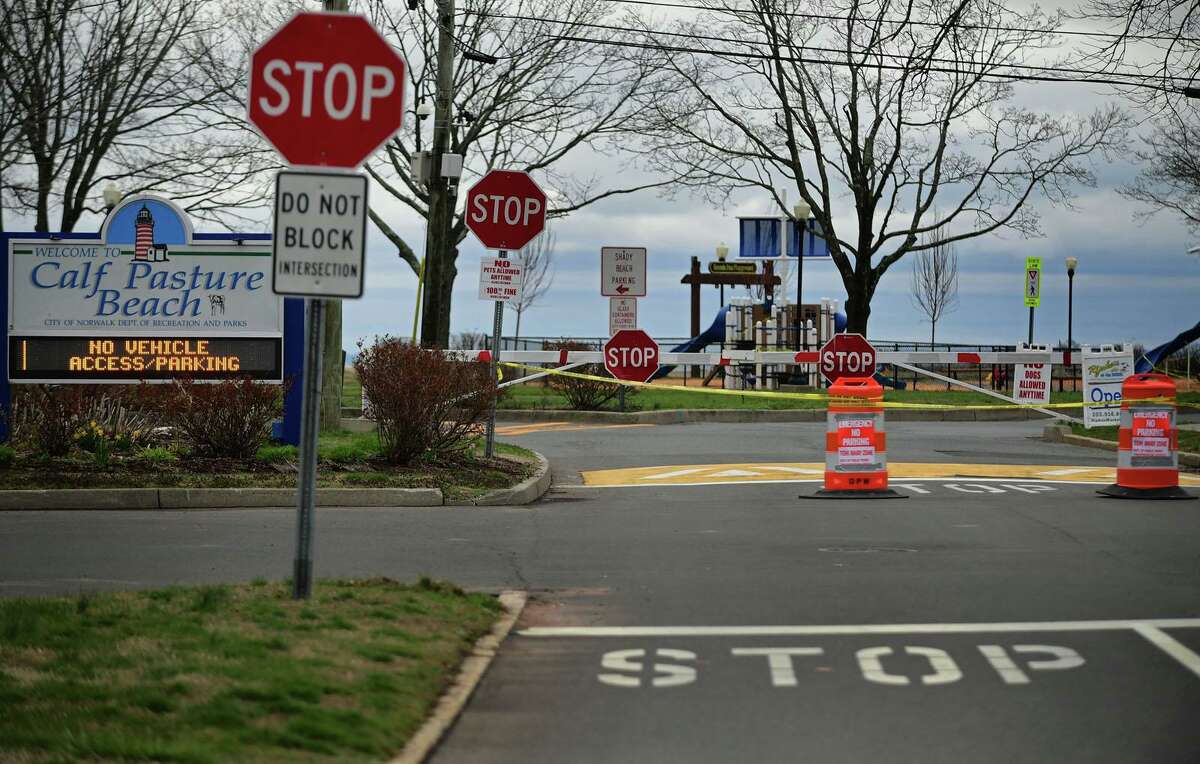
(759, 239)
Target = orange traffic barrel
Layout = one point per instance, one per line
(1148, 441)
(856, 442)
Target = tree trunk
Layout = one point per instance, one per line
(858, 302)
(518, 330)
(932, 333)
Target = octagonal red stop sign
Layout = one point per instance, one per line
(631, 355)
(847, 355)
(326, 90)
(506, 209)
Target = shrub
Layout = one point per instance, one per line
(586, 394)
(425, 403)
(7, 456)
(47, 417)
(226, 419)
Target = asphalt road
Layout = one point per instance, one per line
(738, 623)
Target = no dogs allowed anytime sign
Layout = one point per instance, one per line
(320, 234)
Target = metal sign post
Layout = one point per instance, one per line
(310, 425)
(497, 328)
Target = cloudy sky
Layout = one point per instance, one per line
(1135, 280)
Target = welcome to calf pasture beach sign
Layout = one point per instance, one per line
(144, 301)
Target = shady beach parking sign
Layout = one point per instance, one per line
(143, 301)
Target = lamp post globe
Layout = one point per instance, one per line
(112, 197)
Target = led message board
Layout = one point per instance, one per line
(67, 359)
(143, 302)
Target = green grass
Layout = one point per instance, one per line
(652, 399)
(1189, 440)
(351, 389)
(230, 673)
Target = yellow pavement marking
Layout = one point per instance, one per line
(694, 474)
(526, 429)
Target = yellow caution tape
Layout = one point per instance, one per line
(823, 397)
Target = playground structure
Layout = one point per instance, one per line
(747, 324)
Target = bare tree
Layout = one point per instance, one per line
(1159, 38)
(935, 281)
(547, 99)
(145, 94)
(537, 261)
(1170, 177)
(875, 111)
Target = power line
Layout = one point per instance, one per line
(880, 66)
(896, 56)
(902, 22)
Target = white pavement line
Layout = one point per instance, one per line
(455, 698)
(1071, 471)
(1169, 645)
(871, 628)
(676, 473)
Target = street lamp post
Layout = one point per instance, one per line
(1071, 263)
(801, 213)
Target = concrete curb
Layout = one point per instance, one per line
(529, 490)
(214, 498)
(1057, 433)
(455, 698)
(693, 416)
(525, 492)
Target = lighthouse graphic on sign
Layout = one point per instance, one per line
(144, 247)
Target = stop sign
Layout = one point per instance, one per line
(326, 90)
(847, 355)
(506, 209)
(631, 355)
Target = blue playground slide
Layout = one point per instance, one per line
(1151, 358)
(710, 336)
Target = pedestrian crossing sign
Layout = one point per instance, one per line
(1033, 282)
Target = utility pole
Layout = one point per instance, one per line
(439, 265)
(333, 365)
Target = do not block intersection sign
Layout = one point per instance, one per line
(320, 234)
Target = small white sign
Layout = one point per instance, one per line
(500, 279)
(1105, 368)
(320, 234)
(622, 314)
(1031, 381)
(623, 271)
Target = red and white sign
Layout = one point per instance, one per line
(631, 355)
(622, 314)
(326, 90)
(846, 355)
(500, 279)
(1031, 383)
(856, 441)
(1151, 433)
(623, 271)
(506, 210)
